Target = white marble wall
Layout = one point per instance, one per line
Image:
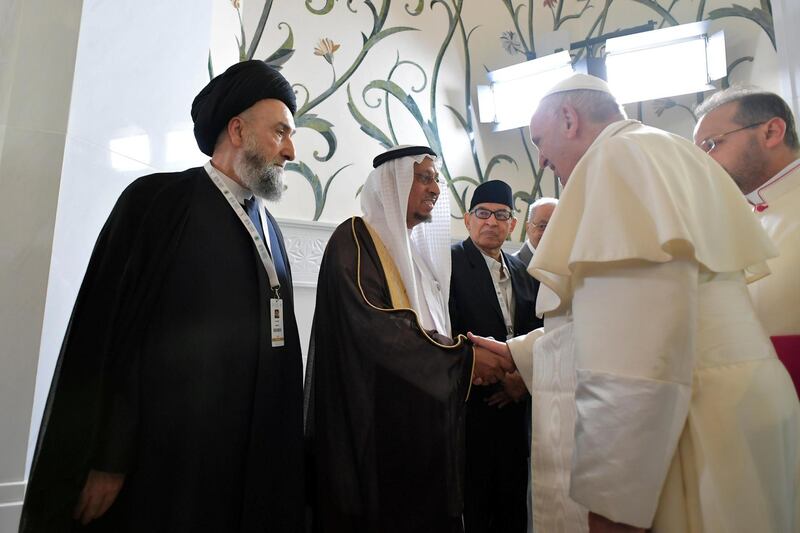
(37, 54)
(786, 14)
(136, 74)
(92, 94)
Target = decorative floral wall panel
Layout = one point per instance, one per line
(371, 74)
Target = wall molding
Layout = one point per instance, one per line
(305, 243)
(12, 493)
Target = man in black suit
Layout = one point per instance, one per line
(491, 294)
(539, 215)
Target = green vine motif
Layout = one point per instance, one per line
(324, 10)
(669, 10)
(662, 104)
(262, 23)
(458, 185)
(514, 12)
(417, 10)
(241, 41)
(419, 89)
(466, 119)
(376, 35)
(598, 26)
(429, 127)
(701, 7)
(284, 52)
(663, 12)
(303, 117)
(324, 128)
(538, 173)
(558, 12)
(365, 125)
(320, 192)
(454, 19)
(760, 15)
(732, 66)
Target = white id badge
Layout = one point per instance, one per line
(276, 321)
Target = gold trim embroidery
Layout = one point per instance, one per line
(460, 338)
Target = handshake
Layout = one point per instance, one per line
(492, 360)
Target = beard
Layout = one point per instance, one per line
(258, 173)
(749, 171)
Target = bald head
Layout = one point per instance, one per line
(539, 214)
(566, 123)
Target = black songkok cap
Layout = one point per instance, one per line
(492, 192)
(233, 91)
(401, 151)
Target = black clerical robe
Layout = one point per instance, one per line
(167, 374)
(497, 440)
(385, 416)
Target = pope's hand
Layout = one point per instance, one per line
(514, 391)
(489, 369)
(98, 494)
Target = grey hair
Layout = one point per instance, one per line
(544, 200)
(755, 105)
(600, 107)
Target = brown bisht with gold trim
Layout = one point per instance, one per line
(385, 400)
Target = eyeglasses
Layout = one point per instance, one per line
(709, 144)
(542, 225)
(501, 215)
(427, 179)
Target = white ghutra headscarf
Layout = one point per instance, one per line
(422, 255)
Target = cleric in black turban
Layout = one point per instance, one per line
(174, 407)
(233, 91)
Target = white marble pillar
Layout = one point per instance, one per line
(37, 56)
(92, 95)
(786, 16)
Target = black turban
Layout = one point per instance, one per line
(492, 192)
(233, 91)
(401, 151)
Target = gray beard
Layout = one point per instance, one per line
(261, 176)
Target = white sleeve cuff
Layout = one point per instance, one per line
(522, 352)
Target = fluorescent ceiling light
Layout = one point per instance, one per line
(514, 92)
(668, 62)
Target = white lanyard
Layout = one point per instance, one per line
(251, 229)
(501, 299)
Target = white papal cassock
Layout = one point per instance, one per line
(657, 396)
(777, 296)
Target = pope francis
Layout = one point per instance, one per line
(658, 400)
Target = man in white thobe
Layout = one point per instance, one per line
(752, 134)
(658, 399)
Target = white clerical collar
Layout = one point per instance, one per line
(757, 197)
(240, 193)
